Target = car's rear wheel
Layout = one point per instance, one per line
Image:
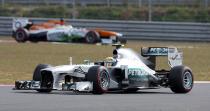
(122, 40)
(181, 79)
(92, 37)
(38, 77)
(99, 75)
(21, 35)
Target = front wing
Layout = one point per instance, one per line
(84, 86)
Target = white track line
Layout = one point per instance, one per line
(197, 82)
(202, 82)
(4, 85)
(7, 41)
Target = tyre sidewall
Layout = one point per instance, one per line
(37, 76)
(37, 71)
(122, 40)
(94, 76)
(176, 76)
(25, 35)
(92, 35)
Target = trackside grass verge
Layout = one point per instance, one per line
(17, 61)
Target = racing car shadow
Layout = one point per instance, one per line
(139, 92)
(53, 93)
(80, 93)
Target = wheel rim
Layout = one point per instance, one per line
(20, 36)
(187, 80)
(104, 80)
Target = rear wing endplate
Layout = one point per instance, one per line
(19, 23)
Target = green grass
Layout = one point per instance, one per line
(195, 13)
(17, 61)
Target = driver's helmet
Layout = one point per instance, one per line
(62, 21)
(109, 61)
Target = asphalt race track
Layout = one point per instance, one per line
(145, 100)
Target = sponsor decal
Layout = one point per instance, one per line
(156, 51)
(55, 35)
(80, 70)
(68, 38)
(18, 24)
(63, 37)
(137, 74)
(173, 58)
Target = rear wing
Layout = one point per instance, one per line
(19, 23)
(174, 55)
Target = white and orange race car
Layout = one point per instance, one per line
(58, 31)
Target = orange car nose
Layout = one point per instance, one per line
(104, 33)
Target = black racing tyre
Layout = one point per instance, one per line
(21, 35)
(92, 37)
(37, 75)
(181, 79)
(122, 40)
(99, 75)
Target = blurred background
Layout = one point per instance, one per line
(144, 10)
(181, 23)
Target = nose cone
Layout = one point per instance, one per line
(60, 69)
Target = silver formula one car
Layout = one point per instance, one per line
(125, 71)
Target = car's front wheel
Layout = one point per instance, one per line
(38, 77)
(181, 79)
(99, 75)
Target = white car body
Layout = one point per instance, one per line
(59, 33)
(126, 70)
